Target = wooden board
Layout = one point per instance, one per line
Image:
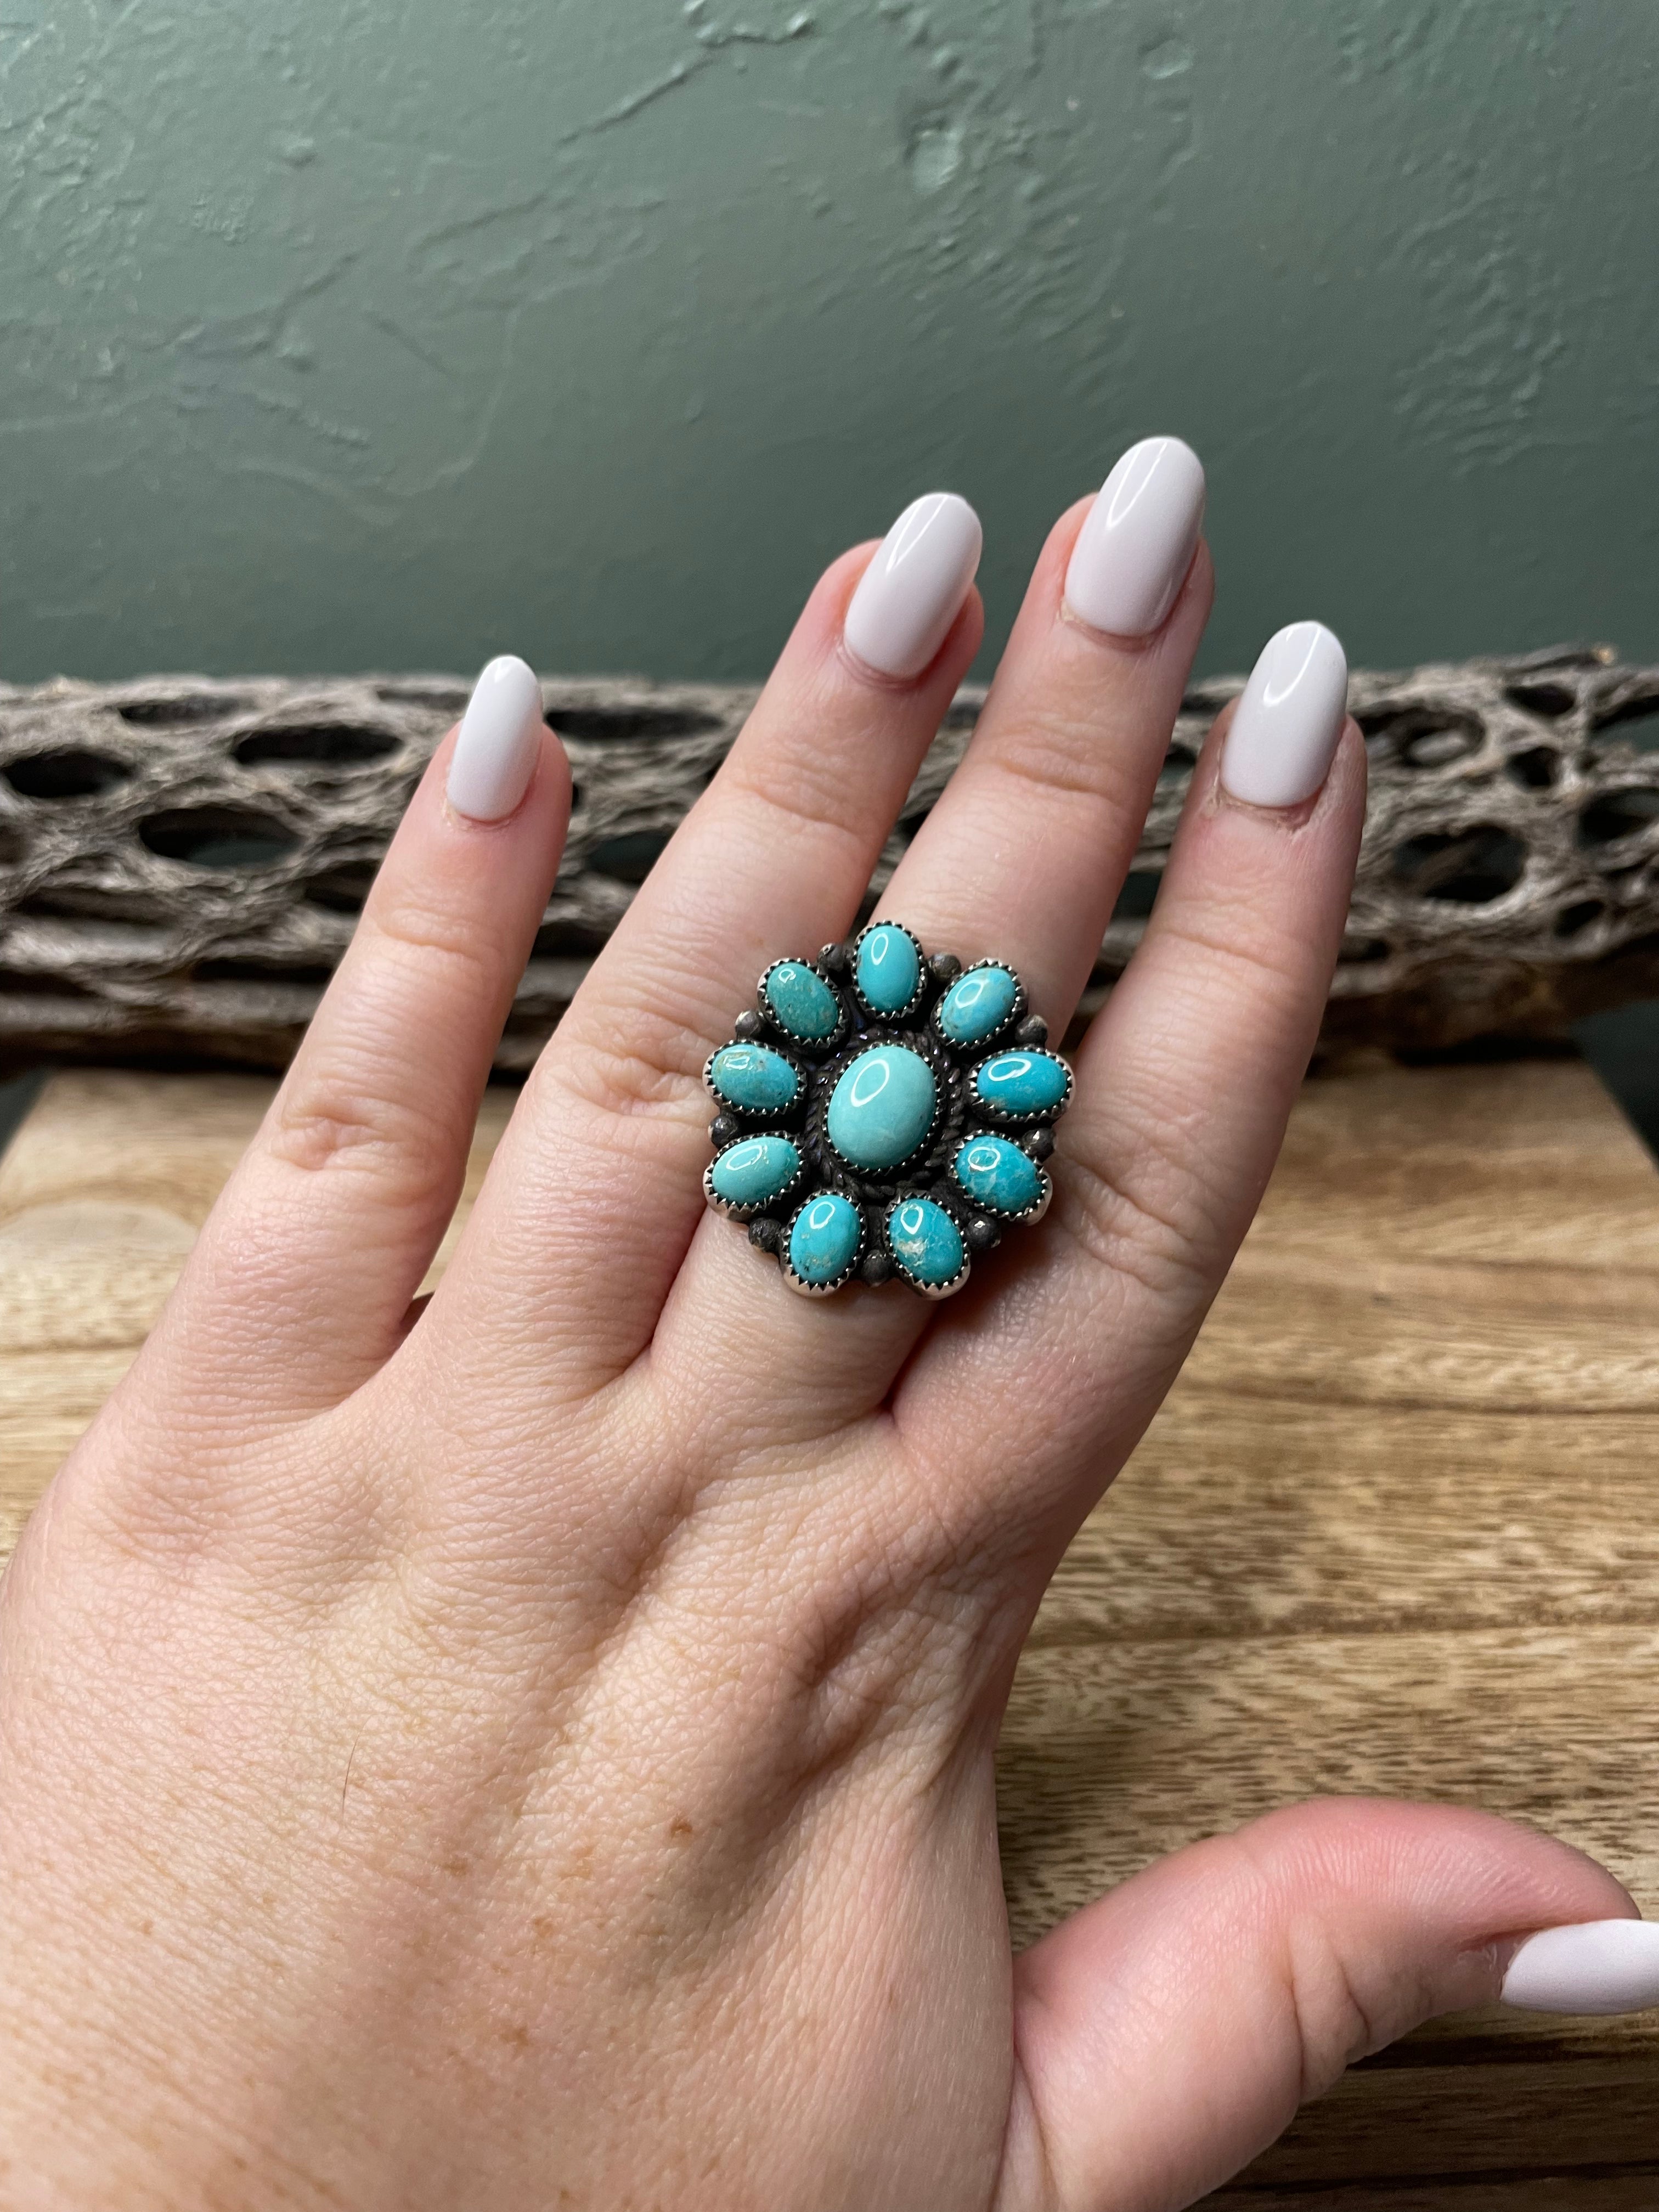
(1394, 1531)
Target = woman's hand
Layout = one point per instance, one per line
(538, 1751)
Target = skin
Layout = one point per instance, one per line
(535, 1749)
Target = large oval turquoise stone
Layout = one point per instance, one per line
(823, 1237)
(753, 1077)
(882, 1108)
(800, 1002)
(977, 1004)
(889, 970)
(1018, 1084)
(924, 1241)
(997, 1175)
(758, 1168)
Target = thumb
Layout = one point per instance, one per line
(1167, 2033)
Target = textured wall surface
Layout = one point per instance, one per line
(347, 333)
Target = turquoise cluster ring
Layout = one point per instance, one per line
(883, 1114)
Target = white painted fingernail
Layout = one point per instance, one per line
(1284, 733)
(500, 740)
(1599, 1965)
(911, 592)
(1138, 540)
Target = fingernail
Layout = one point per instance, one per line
(1138, 540)
(501, 736)
(1601, 1965)
(1284, 732)
(911, 592)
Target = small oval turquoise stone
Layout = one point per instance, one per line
(977, 1005)
(882, 1108)
(997, 1175)
(1021, 1082)
(889, 970)
(800, 1002)
(823, 1237)
(758, 1168)
(753, 1077)
(924, 1241)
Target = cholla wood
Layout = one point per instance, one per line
(182, 861)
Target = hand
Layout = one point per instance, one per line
(537, 1750)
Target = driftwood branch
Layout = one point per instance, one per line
(182, 861)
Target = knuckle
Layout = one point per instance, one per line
(1296, 1865)
(322, 1122)
(1269, 974)
(646, 1064)
(1065, 758)
(1134, 1227)
(436, 943)
(801, 789)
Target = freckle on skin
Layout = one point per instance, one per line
(458, 1866)
(679, 1826)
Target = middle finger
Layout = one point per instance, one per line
(597, 1188)
(1021, 860)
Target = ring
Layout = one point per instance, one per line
(882, 1113)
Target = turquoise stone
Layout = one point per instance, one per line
(1019, 1084)
(800, 1002)
(924, 1241)
(758, 1168)
(753, 1077)
(882, 1108)
(823, 1237)
(977, 1004)
(997, 1175)
(888, 969)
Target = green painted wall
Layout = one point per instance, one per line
(348, 333)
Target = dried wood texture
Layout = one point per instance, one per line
(181, 861)
(1393, 1531)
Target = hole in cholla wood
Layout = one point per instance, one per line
(623, 725)
(336, 742)
(72, 774)
(629, 859)
(1467, 867)
(341, 889)
(1617, 815)
(1634, 722)
(1138, 898)
(216, 836)
(178, 711)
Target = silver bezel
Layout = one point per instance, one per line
(1016, 1013)
(947, 1101)
(793, 1111)
(838, 992)
(728, 1206)
(925, 980)
(1032, 1212)
(925, 1290)
(822, 1290)
(994, 1117)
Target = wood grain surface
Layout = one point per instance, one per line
(1394, 1531)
